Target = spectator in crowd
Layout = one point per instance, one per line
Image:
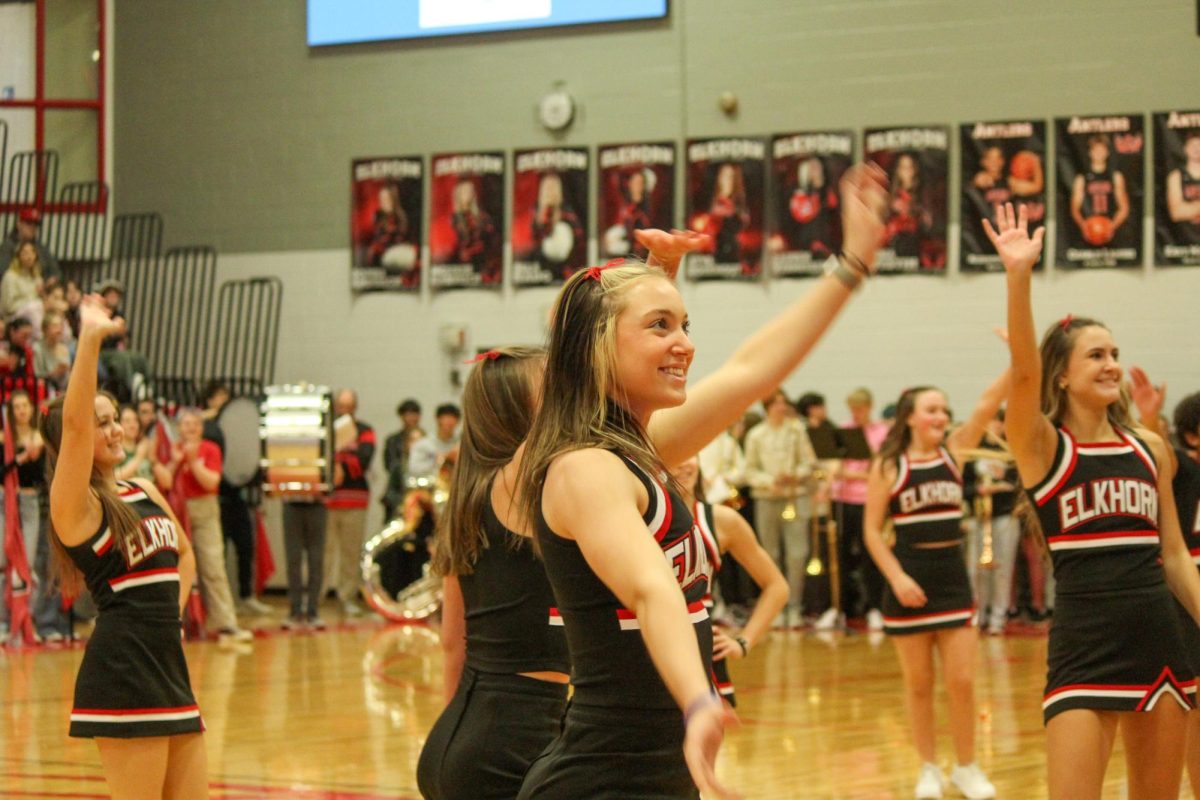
(779, 466)
(54, 301)
(139, 449)
(237, 523)
(862, 583)
(28, 463)
(147, 412)
(196, 467)
(997, 479)
(305, 519)
(812, 410)
(430, 453)
(52, 355)
(127, 369)
(73, 295)
(395, 456)
(16, 352)
(347, 517)
(26, 230)
(21, 286)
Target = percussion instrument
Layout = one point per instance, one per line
(239, 422)
(296, 432)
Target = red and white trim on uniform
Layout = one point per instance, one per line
(144, 578)
(949, 459)
(556, 619)
(1086, 541)
(131, 493)
(901, 476)
(1065, 467)
(724, 688)
(929, 619)
(1183, 692)
(126, 715)
(708, 535)
(931, 516)
(1143, 454)
(1195, 551)
(629, 622)
(103, 544)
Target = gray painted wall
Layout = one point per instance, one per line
(242, 135)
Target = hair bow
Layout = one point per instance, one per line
(593, 273)
(490, 355)
(1066, 321)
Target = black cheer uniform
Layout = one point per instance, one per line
(499, 721)
(622, 737)
(706, 523)
(926, 507)
(134, 681)
(1115, 644)
(1186, 488)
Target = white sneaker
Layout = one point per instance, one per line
(971, 781)
(352, 609)
(874, 620)
(234, 636)
(828, 621)
(929, 783)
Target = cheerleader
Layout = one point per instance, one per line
(132, 694)
(725, 532)
(916, 481)
(1101, 489)
(506, 667)
(628, 569)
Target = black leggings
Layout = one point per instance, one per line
(483, 743)
(238, 526)
(862, 582)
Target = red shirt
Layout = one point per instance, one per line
(210, 454)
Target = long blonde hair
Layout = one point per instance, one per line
(583, 404)
(498, 405)
(121, 520)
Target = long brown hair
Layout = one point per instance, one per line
(899, 436)
(121, 520)
(582, 403)
(1057, 345)
(498, 407)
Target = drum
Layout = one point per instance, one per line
(239, 421)
(296, 432)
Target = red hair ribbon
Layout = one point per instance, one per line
(593, 273)
(1066, 321)
(490, 355)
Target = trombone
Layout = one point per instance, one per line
(983, 512)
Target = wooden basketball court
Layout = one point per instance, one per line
(342, 715)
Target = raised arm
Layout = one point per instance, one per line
(591, 497)
(1029, 433)
(971, 432)
(764, 359)
(74, 509)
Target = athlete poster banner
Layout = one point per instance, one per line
(916, 161)
(636, 190)
(466, 212)
(1177, 188)
(1101, 164)
(1002, 162)
(725, 200)
(806, 218)
(550, 211)
(385, 224)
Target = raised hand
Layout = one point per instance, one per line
(668, 249)
(95, 315)
(1018, 250)
(1147, 397)
(864, 200)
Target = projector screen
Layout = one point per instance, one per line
(347, 21)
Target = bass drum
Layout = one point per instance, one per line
(397, 582)
(239, 423)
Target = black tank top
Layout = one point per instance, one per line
(1099, 195)
(1099, 512)
(611, 667)
(512, 624)
(1187, 501)
(926, 500)
(146, 581)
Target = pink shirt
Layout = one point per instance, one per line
(854, 491)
